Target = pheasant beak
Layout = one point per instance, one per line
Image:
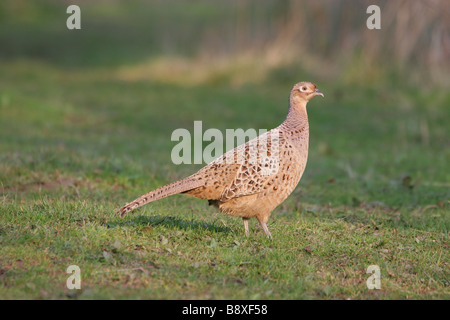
(317, 92)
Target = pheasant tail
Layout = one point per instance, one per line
(165, 191)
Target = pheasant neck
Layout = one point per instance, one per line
(297, 117)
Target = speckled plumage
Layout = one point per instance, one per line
(254, 178)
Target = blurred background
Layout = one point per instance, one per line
(235, 41)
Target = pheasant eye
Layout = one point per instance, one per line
(304, 88)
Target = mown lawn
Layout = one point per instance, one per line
(76, 144)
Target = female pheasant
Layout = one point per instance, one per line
(254, 178)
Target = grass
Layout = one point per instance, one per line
(78, 139)
(375, 192)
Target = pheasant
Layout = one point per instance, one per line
(254, 178)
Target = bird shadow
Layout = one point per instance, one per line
(169, 222)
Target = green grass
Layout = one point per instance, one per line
(74, 147)
(78, 140)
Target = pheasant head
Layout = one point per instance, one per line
(302, 92)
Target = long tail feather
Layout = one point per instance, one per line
(165, 191)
